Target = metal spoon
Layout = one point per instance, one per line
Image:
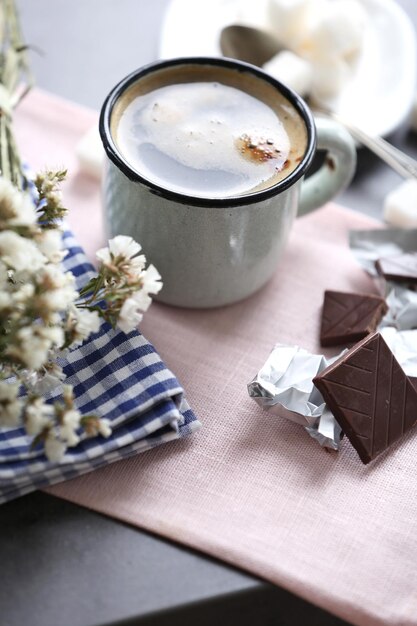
(257, 47)
(248, 44)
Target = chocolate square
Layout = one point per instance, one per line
(400, 268)
(370, 396)
(349, 317)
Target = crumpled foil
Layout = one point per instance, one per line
(370, 245)
(402, 308)
(326, 431)
(403, 344)
(284, 387)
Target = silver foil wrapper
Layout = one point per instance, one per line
(370, 245)
(326, 431)
(284, 386)
(402, 308)
(403, 344)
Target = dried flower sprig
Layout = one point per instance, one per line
(50, 209)
(15, 81)
(121, 291)
(41, 312)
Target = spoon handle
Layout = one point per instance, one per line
(403, 164)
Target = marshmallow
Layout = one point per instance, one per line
(288, 19)
(400, 205)
(336, 32)
(329, 77)
(292, 70)
(90, 153)
(327, 33)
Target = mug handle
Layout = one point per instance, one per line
(337, 170)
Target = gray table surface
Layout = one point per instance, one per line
(60, 564)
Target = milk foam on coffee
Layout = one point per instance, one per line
(206, 139)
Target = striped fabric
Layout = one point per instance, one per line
(117, 376)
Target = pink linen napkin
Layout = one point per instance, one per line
(259, 494)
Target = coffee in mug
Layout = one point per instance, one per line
(206, 165)
(205, 132)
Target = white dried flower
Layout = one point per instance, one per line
(37, 416)
(20, 253)
(88, 322)
(34, 344)
(68, 394)
(97, 426)
(58, 290)
(26, 213)
(50, 244)
(70, 424)
(46, 380)
(55, 197)
(104, 427)
(131, 311)
(52, 277)
(23, 293)
(45, 384)
(72, 418)
(4, 274)
(129, 316)
(122, 255)
(123, 245)
(54, 448)
(10, 404)
(142, 300)
(6, 300)
(151, 280)
(2, 20)
(16, 208)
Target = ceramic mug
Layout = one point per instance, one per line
(215, 251)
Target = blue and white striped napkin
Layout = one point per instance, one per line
(117, 376)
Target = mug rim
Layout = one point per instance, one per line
(122, 164)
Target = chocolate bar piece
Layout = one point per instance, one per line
(413, 381)
(349, 317)
(370, 396)
(400, 268)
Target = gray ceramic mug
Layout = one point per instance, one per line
(215, 251)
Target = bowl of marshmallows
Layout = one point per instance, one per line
(356, 57)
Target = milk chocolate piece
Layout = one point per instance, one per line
(400, 268)
(370, 396)
(349, 317)
(413, 381)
